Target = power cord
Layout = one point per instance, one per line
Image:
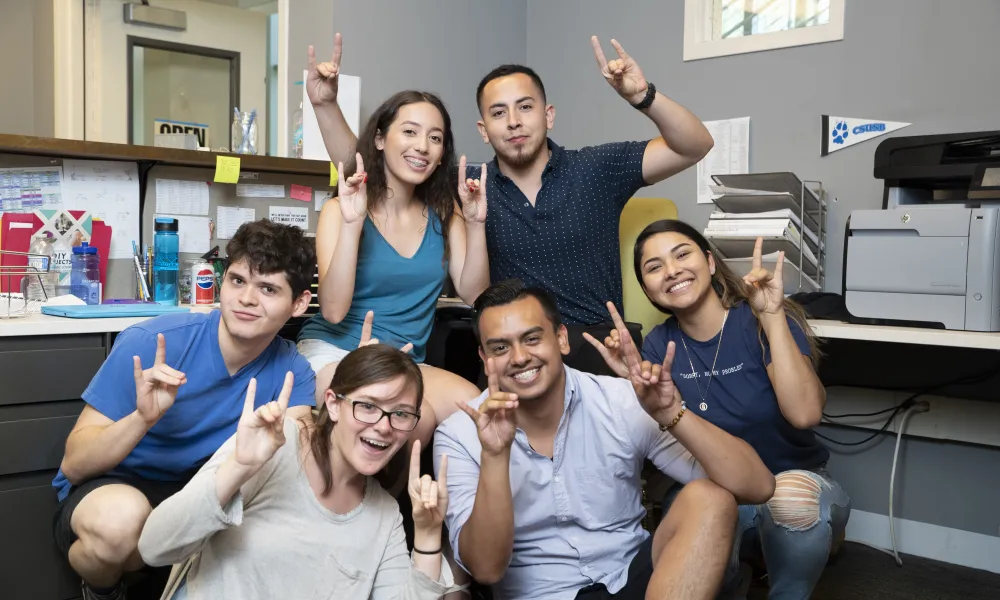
(917, 407)
(909, 402)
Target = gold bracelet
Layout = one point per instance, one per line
(677, 418)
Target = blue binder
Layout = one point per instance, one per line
(104, 311)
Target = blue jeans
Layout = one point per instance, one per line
(793, 533)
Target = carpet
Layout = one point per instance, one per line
(863, 573)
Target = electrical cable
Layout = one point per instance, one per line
(909, 402)
(922, 407)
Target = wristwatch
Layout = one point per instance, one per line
(648, 99)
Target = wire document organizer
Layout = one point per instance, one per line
(15, 305)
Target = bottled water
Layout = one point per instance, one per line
(42, 286)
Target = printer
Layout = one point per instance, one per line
(931, 256)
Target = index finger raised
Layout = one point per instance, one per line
(360, 162)
(415, 461)
(248, 402)
(286, 391)
(602, 61)
(161, 350)
(366, 328)
(492, 381)
(461, 172)
(338, 49)
(312, 58)
(758, 248)
(615, 317)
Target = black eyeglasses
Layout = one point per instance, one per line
(368, 413)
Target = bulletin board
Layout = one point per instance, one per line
(188, 194)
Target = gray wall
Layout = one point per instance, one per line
(444, 46)
(921, 61)
(930, 63)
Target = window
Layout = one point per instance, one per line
(723, 27)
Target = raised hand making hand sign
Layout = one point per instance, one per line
(261, 432)
(428, 497)
(653, 384)
(472, 193)
(622, 73)
(766, 290)
(366, 333)
(496, 418)
(156, 387)
(323, 78)
(353, 194)
(611, 349)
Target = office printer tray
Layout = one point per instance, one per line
(911, 250)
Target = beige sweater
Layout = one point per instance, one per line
(275, 540)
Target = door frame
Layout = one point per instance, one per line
(132, 41)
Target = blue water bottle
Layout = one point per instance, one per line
(166, 245)
(85, 274)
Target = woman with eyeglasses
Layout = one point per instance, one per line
(307, 519)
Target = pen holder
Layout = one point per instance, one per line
(244, 132)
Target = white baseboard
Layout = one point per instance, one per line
(945, 544)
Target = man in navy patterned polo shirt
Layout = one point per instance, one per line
(553, 213)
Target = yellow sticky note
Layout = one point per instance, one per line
(227, 169)
(333, 175)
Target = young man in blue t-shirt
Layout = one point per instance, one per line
(168, 396)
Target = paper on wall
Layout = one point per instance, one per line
(290, 215)
(176, 196)
(110, 191)
(193, 232)
(730, 155)
(349, 100)
(229, 220)
(259, 190)
(320, 198)
(24, 189)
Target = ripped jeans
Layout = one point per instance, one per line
(793, 533)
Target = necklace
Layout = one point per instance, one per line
(694, 374)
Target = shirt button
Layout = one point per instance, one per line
(527, 204)
(556, 479)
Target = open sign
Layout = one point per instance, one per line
(198, 129)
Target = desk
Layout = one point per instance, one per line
(905, 335)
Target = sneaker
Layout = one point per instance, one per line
(118, 593)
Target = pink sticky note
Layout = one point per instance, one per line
(301, 192)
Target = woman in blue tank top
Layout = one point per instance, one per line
(385, 246)
(744, 359)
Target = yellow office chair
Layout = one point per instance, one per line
(638, 213)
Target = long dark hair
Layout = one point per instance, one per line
(365, 366)
(440, 191)
(727, 285)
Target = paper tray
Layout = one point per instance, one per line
(742, 247)
(105, 311)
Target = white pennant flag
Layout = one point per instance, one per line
(841, 132)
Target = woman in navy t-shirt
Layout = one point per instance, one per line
(745, 360)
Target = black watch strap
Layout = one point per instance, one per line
(650, 96)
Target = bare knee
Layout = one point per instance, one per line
(795, 504)
(706, 496)
(109, 521)
(443, 390)
(700, 504)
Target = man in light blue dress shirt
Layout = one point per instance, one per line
(544, 479)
